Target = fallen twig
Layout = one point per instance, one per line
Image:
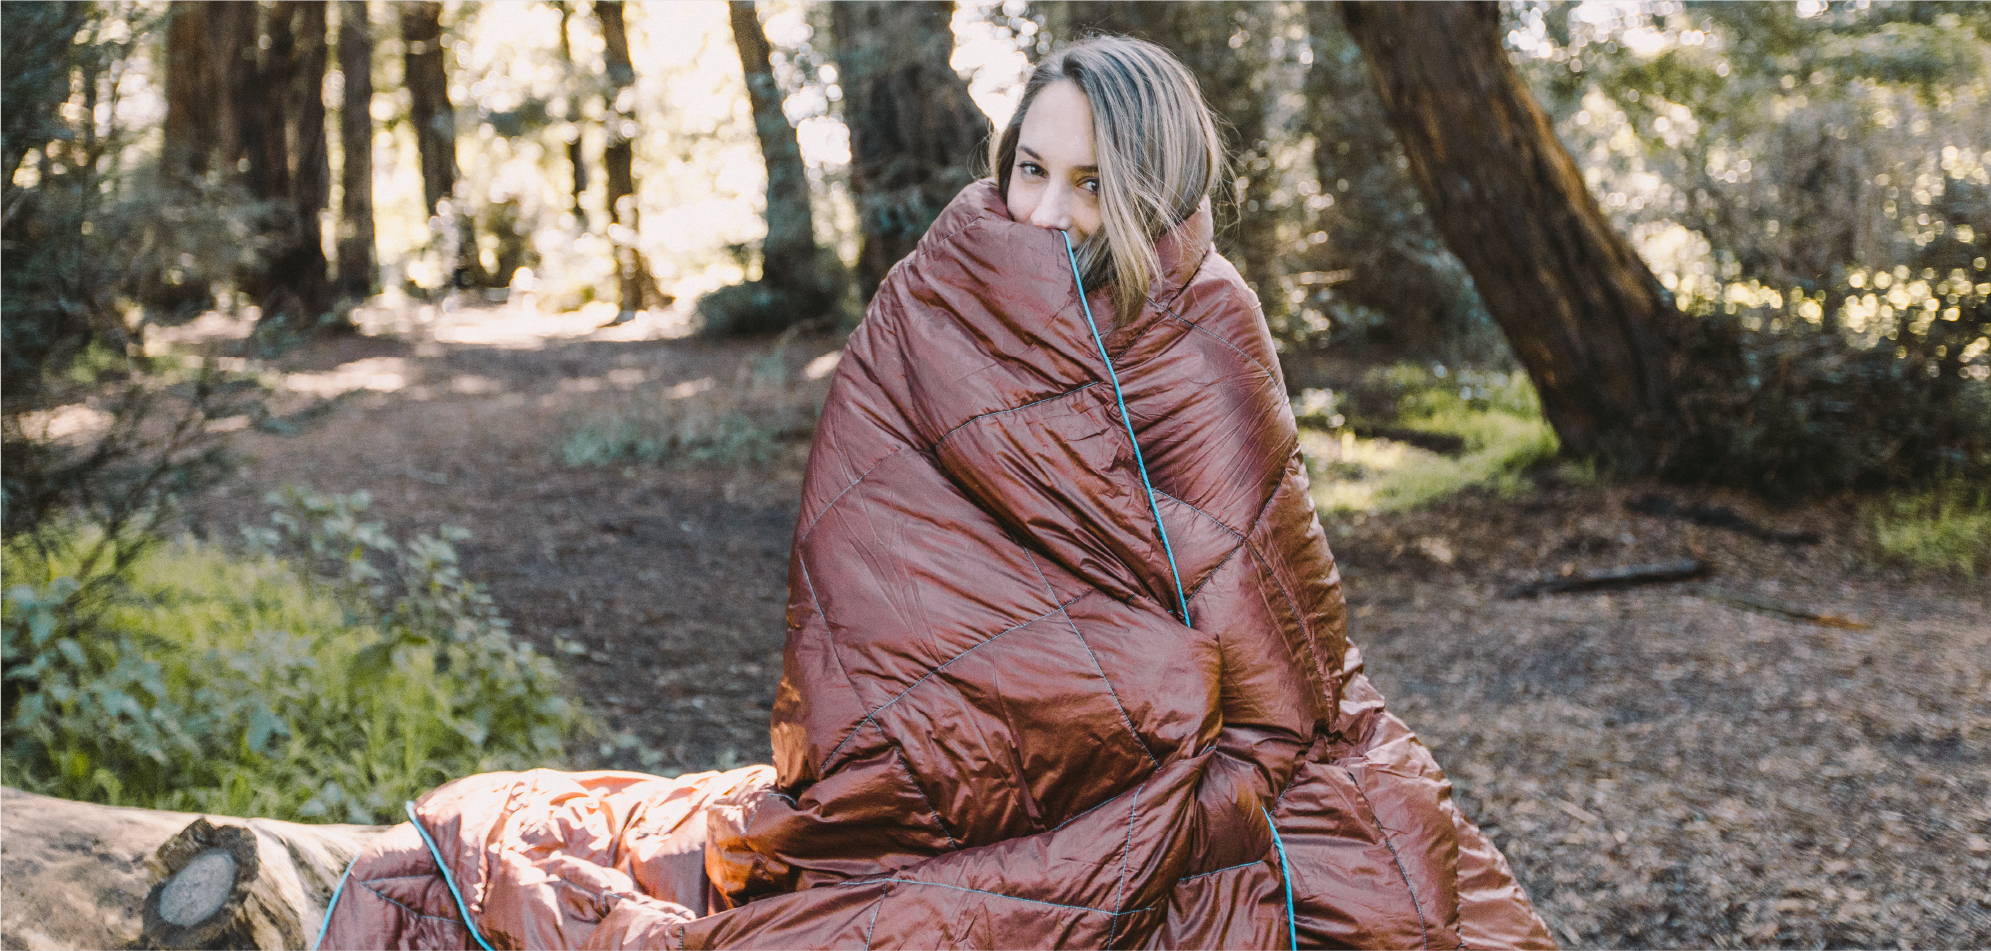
(1783, 609)
(1621, 577)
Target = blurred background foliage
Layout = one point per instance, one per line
(1809, 183)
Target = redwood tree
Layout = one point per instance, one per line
(359, 272)
(915, 135)
(1596, 331)
(288, 165)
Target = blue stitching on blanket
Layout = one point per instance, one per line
(404, 906)
(1133, 811)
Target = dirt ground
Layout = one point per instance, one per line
(1665, 766)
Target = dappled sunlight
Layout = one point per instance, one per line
(822, 366)
(380, 374)
(65, 422)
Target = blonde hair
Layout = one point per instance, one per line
(1156, 145)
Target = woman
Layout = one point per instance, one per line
(1065, 663)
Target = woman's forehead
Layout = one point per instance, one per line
(1057, 131)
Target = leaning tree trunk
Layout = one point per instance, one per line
(1596, 331)
(81, 875)
(791, 237)
(915, 134)
(637, 288)
(799, 282)
(1233, 82)
(359, 270)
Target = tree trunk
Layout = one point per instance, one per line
(1381, 243)
(915, 135)
(435, 136)
(791, 238)
(637, 288)
(1232, 79)
(289, 167)
(799, 282)
(359, 270)
(195, 119)
(195, 116)
(82, 875)
(1596, 331)
(570, 110)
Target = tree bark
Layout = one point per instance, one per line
(791, 238)
(636, 287)
(1232, 79)
(915, 134)
(570, 111)
(82, 875)
(195, 116)
(799, 282)
(435, 135)
(1596, 331)
(359, 270)
(289, 167)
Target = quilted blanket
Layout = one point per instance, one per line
(994, 728)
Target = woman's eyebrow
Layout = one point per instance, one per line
(1033, 154)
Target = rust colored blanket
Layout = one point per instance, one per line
(991, 730)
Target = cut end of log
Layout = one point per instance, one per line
(203, 902)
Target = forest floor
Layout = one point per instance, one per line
(1664, 766)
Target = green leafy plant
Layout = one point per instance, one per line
(327, 674)
(1490, 423)
(1946, 526)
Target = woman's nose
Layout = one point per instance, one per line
(1053, 211)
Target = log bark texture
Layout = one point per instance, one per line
(79, 875)
(1596, 331)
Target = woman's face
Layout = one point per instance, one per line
(1055, 181)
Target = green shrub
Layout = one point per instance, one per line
(708, 428)
(1493, 417)
(328, 674)
(1946, 526)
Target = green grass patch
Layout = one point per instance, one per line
(1494, 418)
(263, 683)
(1946, 526)
(725, 438)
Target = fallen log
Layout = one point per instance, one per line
(83, 875)
(1620, 577)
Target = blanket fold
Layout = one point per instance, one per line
(991, 731)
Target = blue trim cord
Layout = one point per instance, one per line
(1285, 877)
(448, 880)
(1120, 398)
(337, 890)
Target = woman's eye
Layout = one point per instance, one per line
(1030, 168)
(1092, 185)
